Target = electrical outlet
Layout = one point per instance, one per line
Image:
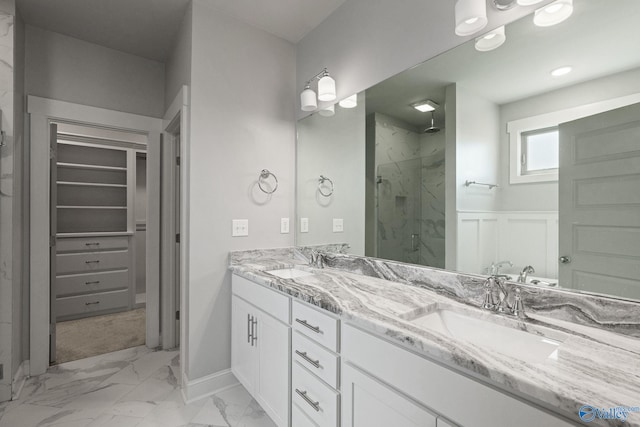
(304, 225)
(338, 225)
(284, 225)
(240, 227)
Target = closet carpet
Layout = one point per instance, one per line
(92, 336)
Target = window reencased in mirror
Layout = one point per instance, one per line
(423, 200)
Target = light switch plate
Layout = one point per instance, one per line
(304, 225)
(240, 227)
(284, 225)
(338, 225)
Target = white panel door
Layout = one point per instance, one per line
(272, 384)
(243, 350)
(599, 187)
(369, 403)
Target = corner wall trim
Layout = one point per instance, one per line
(19, 379)
(206, 386)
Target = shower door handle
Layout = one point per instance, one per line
(415, 242)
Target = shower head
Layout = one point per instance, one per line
(433, 128)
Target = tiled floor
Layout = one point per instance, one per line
(133, 387)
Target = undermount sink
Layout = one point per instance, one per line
(289, 273)
(523, 345)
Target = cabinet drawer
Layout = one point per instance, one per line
(91, 262)
(299, 419)
(85, 244)
(315, 358)
(270, 301)
(83, 305)
(77, 284)
(318, 326)
(313, 397)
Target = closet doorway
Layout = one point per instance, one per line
(98, 202)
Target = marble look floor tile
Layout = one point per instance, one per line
(27, 415)
(130, 388)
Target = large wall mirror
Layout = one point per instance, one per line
(517, 170)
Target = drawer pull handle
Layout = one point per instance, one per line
(254, 334)
(305, 324)
(95, 282)
(92, 303)
(314, 405)
(248, 328)
(92, 262)
(92, 244)
(303, 354)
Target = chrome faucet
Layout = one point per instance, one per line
(495, 267)
(522, 278)
(501, 304)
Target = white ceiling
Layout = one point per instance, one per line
(597, 40)
(148, 28)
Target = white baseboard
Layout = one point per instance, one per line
(19, 379)
(206, 386)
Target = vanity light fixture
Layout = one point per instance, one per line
(553, 13)
(491, 40)
(561, 71)
(424, 106)
(470, 16)
(326, 91)
(328, 111)
(350, 102)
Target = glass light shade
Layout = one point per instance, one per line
(528, 2)
(308, 100)
(328, 111)
(491, 40)
(350, 102)
(553, 13)
(326, 89)
(471, 16)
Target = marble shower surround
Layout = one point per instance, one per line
(595, 366)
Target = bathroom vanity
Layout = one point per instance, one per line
(366, 342)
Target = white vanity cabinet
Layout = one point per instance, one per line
(260, 346)
(381, 380)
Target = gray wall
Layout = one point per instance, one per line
(177, 70)
(544, 196)
(365, 42)
(68, 69)
(242, 121)
(333, 147)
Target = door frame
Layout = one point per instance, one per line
(41, 112)
(174, 124)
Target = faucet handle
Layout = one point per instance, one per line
(518, 305)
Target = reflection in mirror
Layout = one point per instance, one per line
(330, 179)
(560, 155)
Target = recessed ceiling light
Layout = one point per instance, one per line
(491, 40)
(561, 71)
(553, 13)
(424, 106)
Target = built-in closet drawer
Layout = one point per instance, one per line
(77, 284)
(86, 244)
(81, 305)
(90, 262)
(316, 399)
(315, 358)
(318, 326)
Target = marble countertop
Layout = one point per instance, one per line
(593, 366)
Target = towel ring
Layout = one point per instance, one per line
(261, 180)
(320, 186)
